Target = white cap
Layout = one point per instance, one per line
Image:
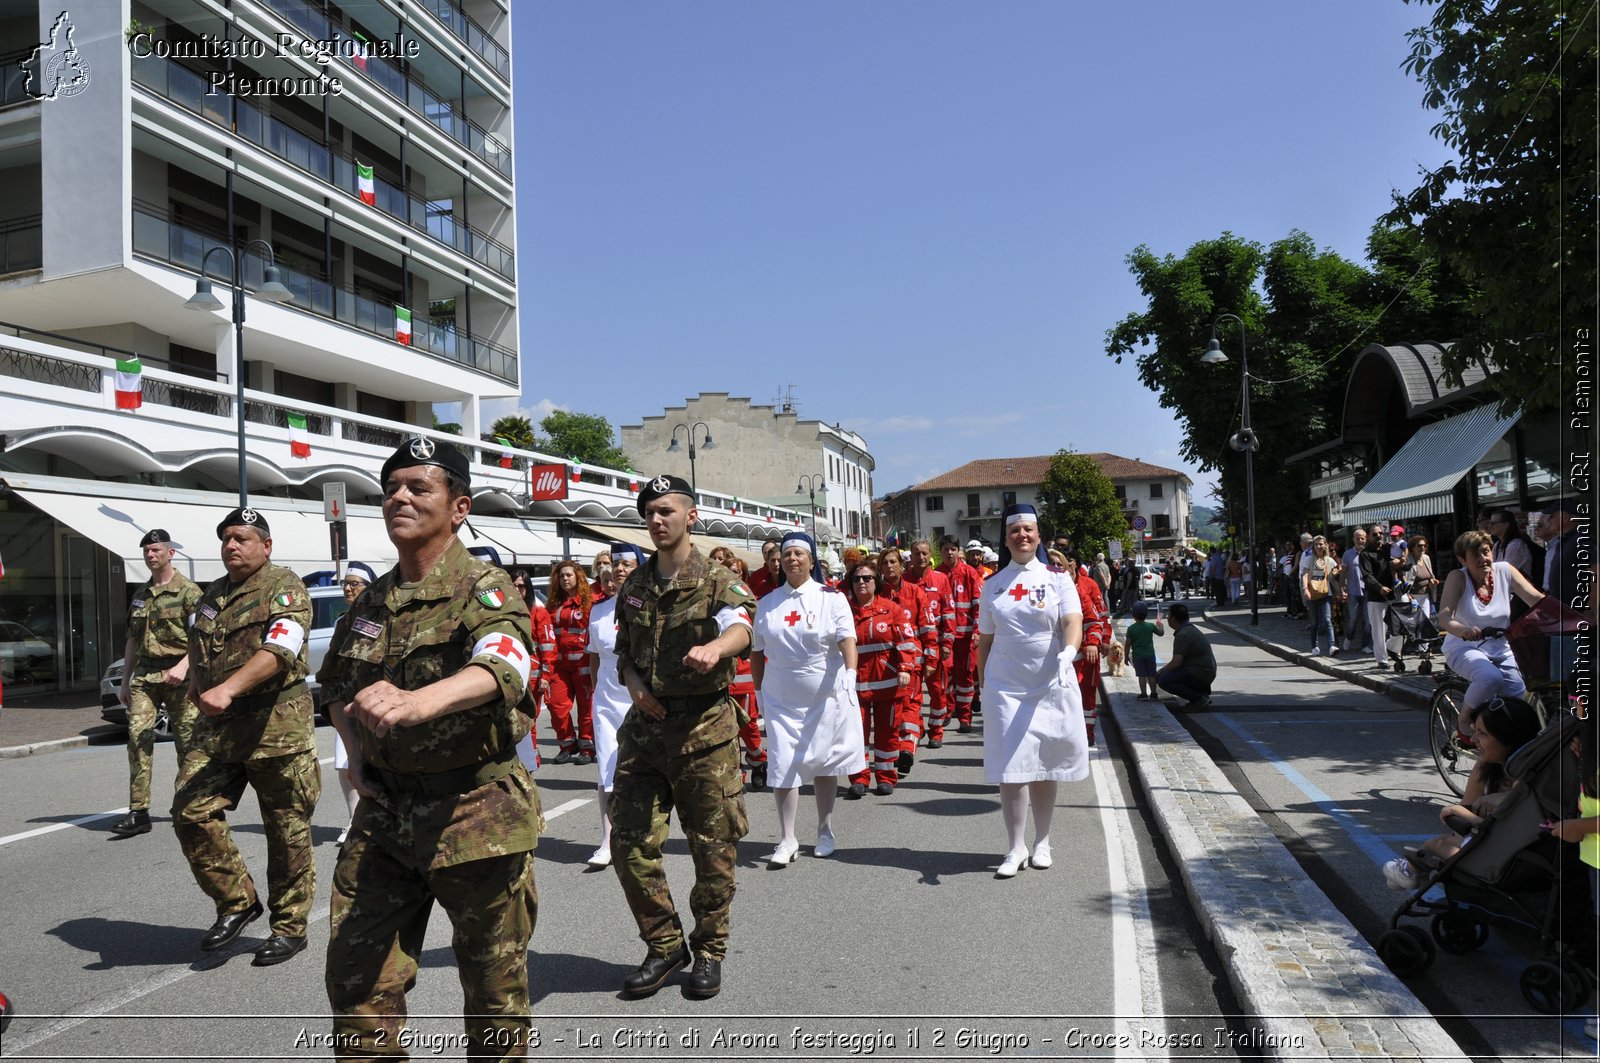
(974, 545)
(990, 556)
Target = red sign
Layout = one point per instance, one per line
(547, 483)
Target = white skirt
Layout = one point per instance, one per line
(813, 725)
(1033, 727)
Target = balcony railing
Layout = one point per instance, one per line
(157, 237)
(187, 89)
(22, 244)
(14, 77)
(476, 37)
(439, 112)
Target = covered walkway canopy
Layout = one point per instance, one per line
(1420, 479)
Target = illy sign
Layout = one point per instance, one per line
(546, 483)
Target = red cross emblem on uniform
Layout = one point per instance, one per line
(278, 631)
(1018, 592)
(792, 619)
(507, 648)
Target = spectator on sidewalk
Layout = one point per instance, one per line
(1193, 667)
(1142, 650)
(1378, 591)
(1357, 635)
(1317, 581)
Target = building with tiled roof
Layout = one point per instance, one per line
(967, 501)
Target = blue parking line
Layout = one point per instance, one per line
(1364, 839)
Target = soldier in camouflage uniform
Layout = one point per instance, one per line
(247, 674)
(427, 679)
(681, 621)
(155, 672)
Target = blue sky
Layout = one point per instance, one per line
(917, 213)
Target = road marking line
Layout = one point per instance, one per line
(561, 810)
(1130, 919)
(52, 828)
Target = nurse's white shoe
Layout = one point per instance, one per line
(1041, 856)
(825, 845)
(784, 854)
(1014, 862)
(601, 857)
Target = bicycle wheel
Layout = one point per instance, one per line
(1453, 759)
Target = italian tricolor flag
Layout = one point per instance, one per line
(364, 186)
(299, 444)
(402, 325)
(505, 459)
(359, 58)
(130, 383)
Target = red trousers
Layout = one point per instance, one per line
(909, 710)
(939, 700)
(880, 719)
(750, 734)
(1088, 686)
(963, 679)
(572, 688)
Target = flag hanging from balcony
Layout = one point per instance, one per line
(402, 325)
(505, 459)
(299, 443)
(577, 473)
(359, 53)
(364, 186)
(130, 383)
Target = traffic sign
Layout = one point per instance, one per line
(1139, 523)
(333, 507)
(339, 540)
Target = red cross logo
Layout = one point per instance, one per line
(792, 619)
(507, 648)
(278, 631)
(1018, 592)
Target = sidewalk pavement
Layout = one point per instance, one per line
(44, 723)
(1313, 984)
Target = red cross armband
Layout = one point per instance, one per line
(506, 656)
(286, 635)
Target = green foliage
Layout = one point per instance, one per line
(1515, 215)
(517, 431)
(1079, 501)
(584, 437)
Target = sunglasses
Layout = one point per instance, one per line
(354, 583)
(864, 579)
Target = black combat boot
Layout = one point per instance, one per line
(654, 972)
(705, 981)
(134, 823)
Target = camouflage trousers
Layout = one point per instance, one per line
(707, 788)
(287, 789)
(380, 916)
(147, 696)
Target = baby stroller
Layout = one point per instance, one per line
(1410, 631)
(1510, 873)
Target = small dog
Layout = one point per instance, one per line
(1118, 655)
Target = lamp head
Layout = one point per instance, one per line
(272, 289)
(708, 445)
(202, 299)
(672, 447)
(1213, 355)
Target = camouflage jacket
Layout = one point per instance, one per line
(463, 613)
(159, 617)
(657, 624)
(271, 610)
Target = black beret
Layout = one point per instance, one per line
(420, 450)
(154, 536)
(663, 485)
(247, 518)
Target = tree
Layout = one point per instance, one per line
(518, 431)
(1079, 500)
(584, 437)
(1515, 216)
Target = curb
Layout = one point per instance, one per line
(35, 748)
(1313, 985)
(1373, 681)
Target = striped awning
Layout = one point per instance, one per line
(1419, 481)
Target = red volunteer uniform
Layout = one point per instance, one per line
(886, 647)
(544, 646)
(762, 581)
(966, 586)
(936, 585)
(910, 597)
(1097, 633)
(743, 690)
(571, 686)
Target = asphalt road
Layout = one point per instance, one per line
(1345, 778)
(902, 945)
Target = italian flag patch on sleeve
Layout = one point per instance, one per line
(494, 599)
(284, 600)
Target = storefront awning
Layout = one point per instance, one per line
(1420, 479)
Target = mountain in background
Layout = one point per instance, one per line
(1208, 523)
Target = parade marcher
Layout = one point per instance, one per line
(155, 672)
(544, 662)
(247, 675)
(571, 695)
(681, 621)
(743, 691)
(611, 700)
(357, 578)
(887, 653)
(428, 683)
(803, 657)
(1097, 635)
(770, 575)
(936, 585)
(911, 598)
(1033, 736)
(966, 587)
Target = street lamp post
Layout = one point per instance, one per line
(272, 291)
(1244, 439)
(811, 483)
(673, 448)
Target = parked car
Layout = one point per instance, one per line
(24, 656)
(327, 606)
(1152, 579)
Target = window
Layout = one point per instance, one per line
(972, 504)
(1155, 489)
(933, 503)
(974, 531)
(1122, 492)
(1161, 524)
(1008, 498)
(938, 533)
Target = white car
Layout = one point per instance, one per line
(1152, 580)
(327, 606)
(24, 656)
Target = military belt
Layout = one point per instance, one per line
(691, 703)
(454, 781)
(150, 664)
